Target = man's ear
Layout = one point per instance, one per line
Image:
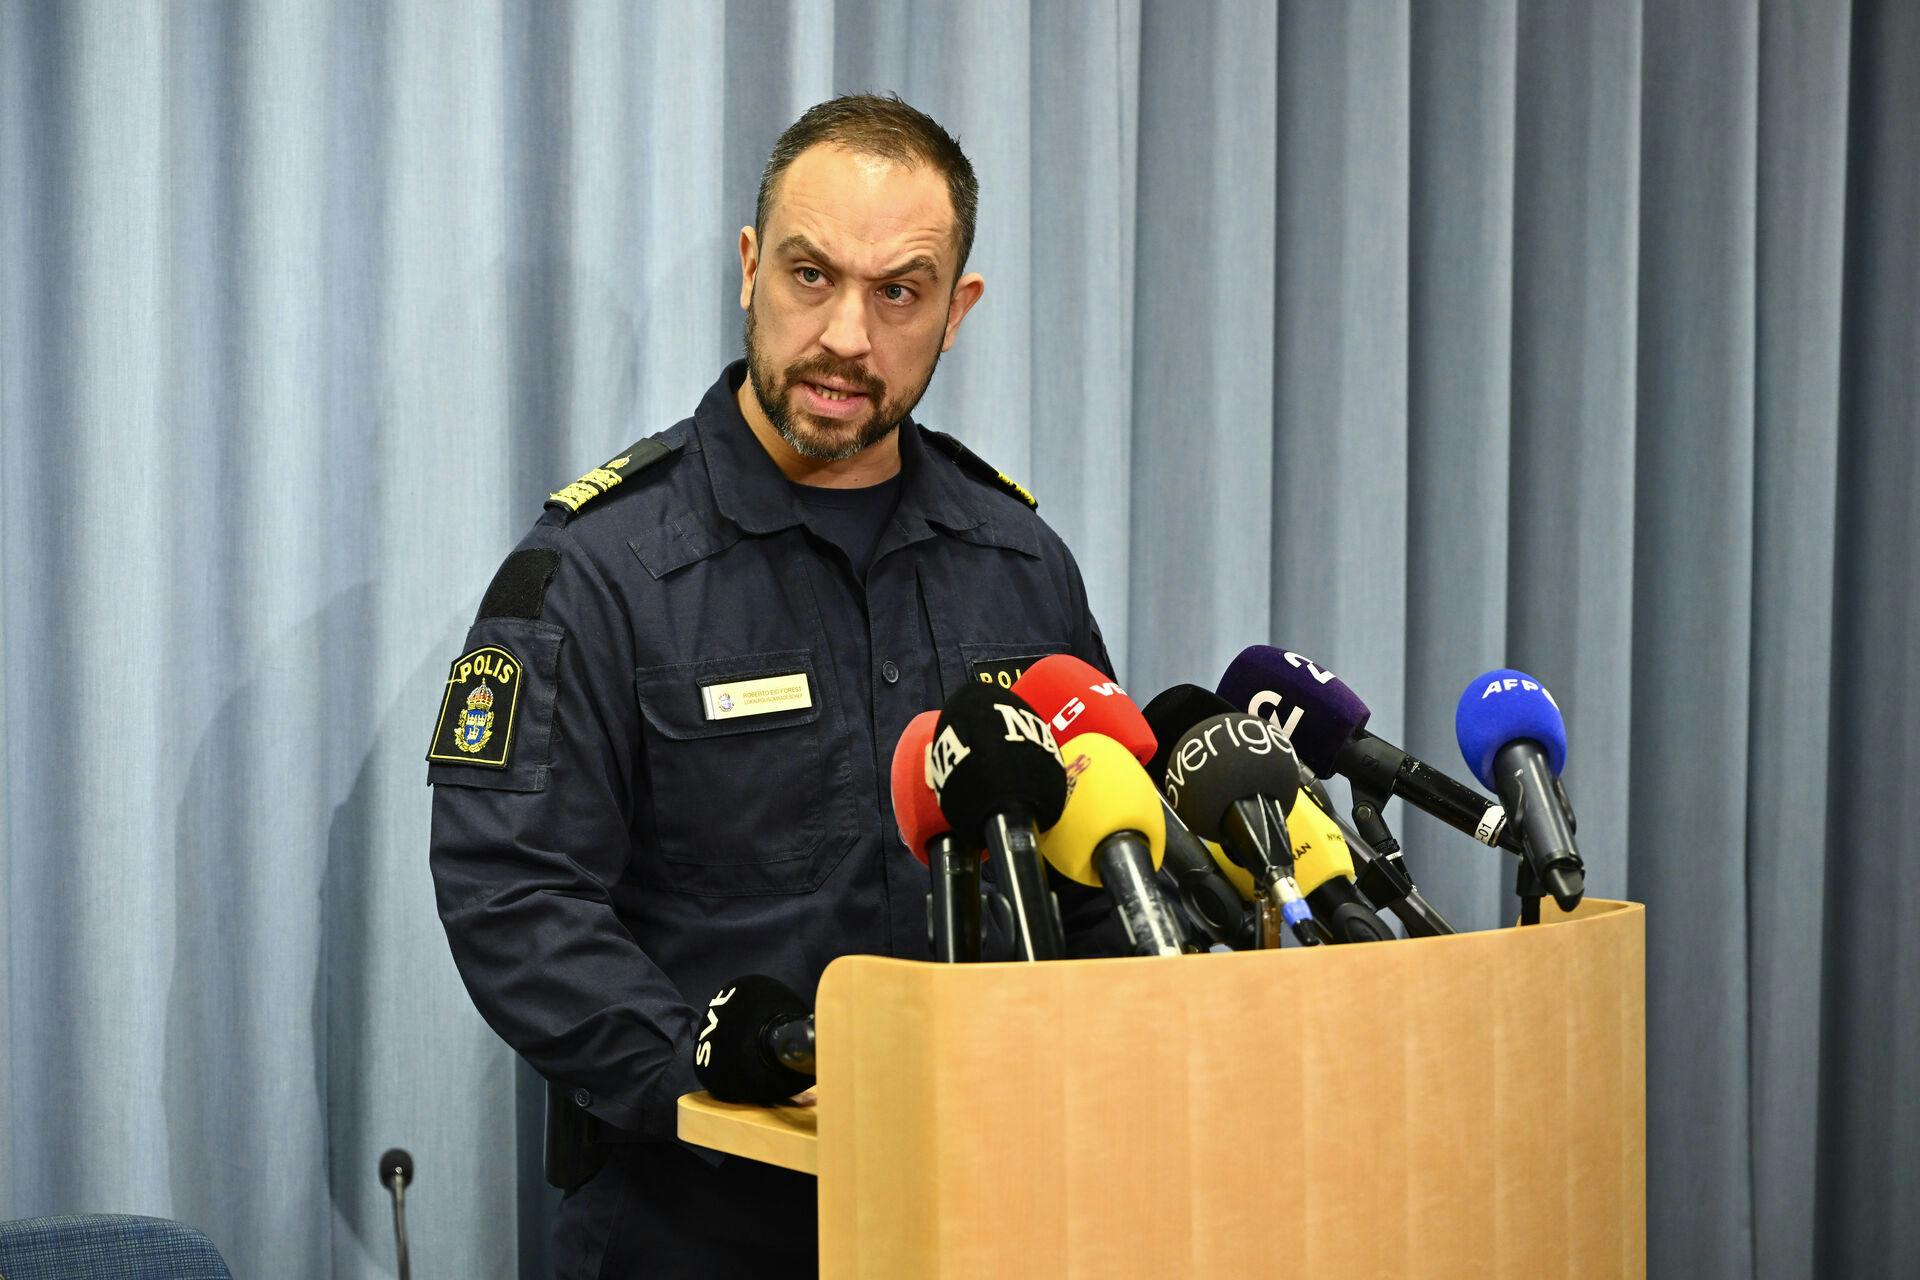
(966, 292)
(749, 264)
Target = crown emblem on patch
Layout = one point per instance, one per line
(475, 728)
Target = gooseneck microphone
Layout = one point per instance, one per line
(1111, 835)
(757, 1042)
(1076, 698)
(1515, 741)
(396, 1174)
(1231, 778)
(953, 868)
(996, 770)
(1326, 722)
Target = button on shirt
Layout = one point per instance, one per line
(637, 848)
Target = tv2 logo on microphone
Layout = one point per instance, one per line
(1268, 705)
(704, 1053)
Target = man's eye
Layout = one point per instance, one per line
(896, 293)
(810, 275)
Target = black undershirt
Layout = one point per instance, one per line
(851, 519)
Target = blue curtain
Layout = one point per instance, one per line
(1418, 337)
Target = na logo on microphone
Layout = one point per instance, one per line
(943, 753)
(1025, 725)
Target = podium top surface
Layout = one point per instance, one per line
(780, 1135)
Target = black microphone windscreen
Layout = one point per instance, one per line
(993, 754)
(1229, 757)
(395, 1160)
(1171, 714)
(731, 1058)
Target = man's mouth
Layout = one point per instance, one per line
(832, 400)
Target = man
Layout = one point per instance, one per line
(662, 757)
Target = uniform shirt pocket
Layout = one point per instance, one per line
(745, 801)
(1000, 663)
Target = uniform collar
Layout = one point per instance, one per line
(750, 489)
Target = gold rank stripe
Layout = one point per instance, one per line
(1021, 490)
(589, 486)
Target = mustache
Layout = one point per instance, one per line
(825, 368)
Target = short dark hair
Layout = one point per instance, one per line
(878, 126)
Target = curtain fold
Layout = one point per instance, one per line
(1422, 337)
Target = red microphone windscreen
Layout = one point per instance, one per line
(1074, 697)
(915, 808)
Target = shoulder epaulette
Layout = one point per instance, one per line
(978, 467)
(632, 461)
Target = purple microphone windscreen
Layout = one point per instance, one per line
(1503, 707)
(1312, 706)
(1171, 713)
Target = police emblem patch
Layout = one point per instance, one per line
(476, 715)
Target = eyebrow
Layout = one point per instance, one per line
(797, 245)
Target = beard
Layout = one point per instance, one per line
(826, 439)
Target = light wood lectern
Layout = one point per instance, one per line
(1464, 1106)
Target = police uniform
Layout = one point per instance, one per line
(662, 762)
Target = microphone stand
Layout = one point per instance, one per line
(396, 1171)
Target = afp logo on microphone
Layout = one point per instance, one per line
(1507, 684)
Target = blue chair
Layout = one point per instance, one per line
(107, 1246)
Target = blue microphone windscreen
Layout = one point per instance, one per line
(1312, 706)
(1504, 707)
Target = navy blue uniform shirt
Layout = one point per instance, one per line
(619, 829)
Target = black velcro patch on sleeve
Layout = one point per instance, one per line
(520, 588)
(477, 715)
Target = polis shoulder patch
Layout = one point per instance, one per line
(979, 468)
(476, 715)
(632, 460)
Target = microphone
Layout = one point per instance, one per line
(1323, 864)
(1326, 722)
(1383, 881)
(996, 770)
(396, 1174)
(1076, 698)
(1231, 777)
(953, 904)
(1514, 740)
(1323, 867)
(757, 1042)
(1112, 834)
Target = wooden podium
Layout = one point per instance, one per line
(1464, 1106)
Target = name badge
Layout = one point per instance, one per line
(760, 697)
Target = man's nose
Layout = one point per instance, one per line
(846, 332)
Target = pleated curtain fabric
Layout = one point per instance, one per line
(1421, 338)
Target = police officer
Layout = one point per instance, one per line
(662, 757)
